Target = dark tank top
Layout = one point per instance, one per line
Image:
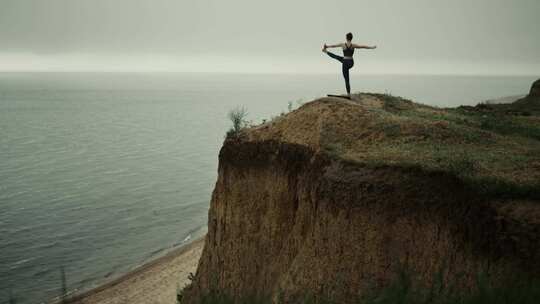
(348, 51)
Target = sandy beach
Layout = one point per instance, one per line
(155, 282)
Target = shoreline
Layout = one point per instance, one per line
(157, 279)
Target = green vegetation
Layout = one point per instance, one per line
(289, 106)
(334, 150)
(238, 118)
(403, 291)
(494, 148)
(508, 125)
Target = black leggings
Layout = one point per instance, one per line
(346, 65)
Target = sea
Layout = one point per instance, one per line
(103, 172)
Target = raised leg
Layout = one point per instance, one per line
(336, 57)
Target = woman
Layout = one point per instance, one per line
(347, 61)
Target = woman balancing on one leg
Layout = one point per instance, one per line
(347, 61)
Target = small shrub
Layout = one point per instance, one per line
(179, 295)
(238, 118)
(290, 106)
(231, 133)
(181, 291)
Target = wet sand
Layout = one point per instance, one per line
(155, 282)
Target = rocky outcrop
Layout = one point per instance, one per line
(289, 218)
(531, 101)
(535, 90)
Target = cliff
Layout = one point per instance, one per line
(532, 100)
(332, 199)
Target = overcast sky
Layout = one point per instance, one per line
(413, 36)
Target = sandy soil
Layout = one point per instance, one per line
(152, 283)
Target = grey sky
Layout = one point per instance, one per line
(420, 36)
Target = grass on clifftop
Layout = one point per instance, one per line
(494, 147)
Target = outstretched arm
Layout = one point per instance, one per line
(357, 46)
(334, 45)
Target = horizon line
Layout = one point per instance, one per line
(473, 74)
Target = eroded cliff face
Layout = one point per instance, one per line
(288, 219)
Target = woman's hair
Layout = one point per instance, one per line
(349, 36)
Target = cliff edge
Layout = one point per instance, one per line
(333, 198)
(532, 100)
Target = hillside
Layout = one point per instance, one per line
(334, 198)
(532, 100)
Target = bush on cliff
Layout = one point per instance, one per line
(238, 118)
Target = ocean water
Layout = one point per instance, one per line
(101, 172)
